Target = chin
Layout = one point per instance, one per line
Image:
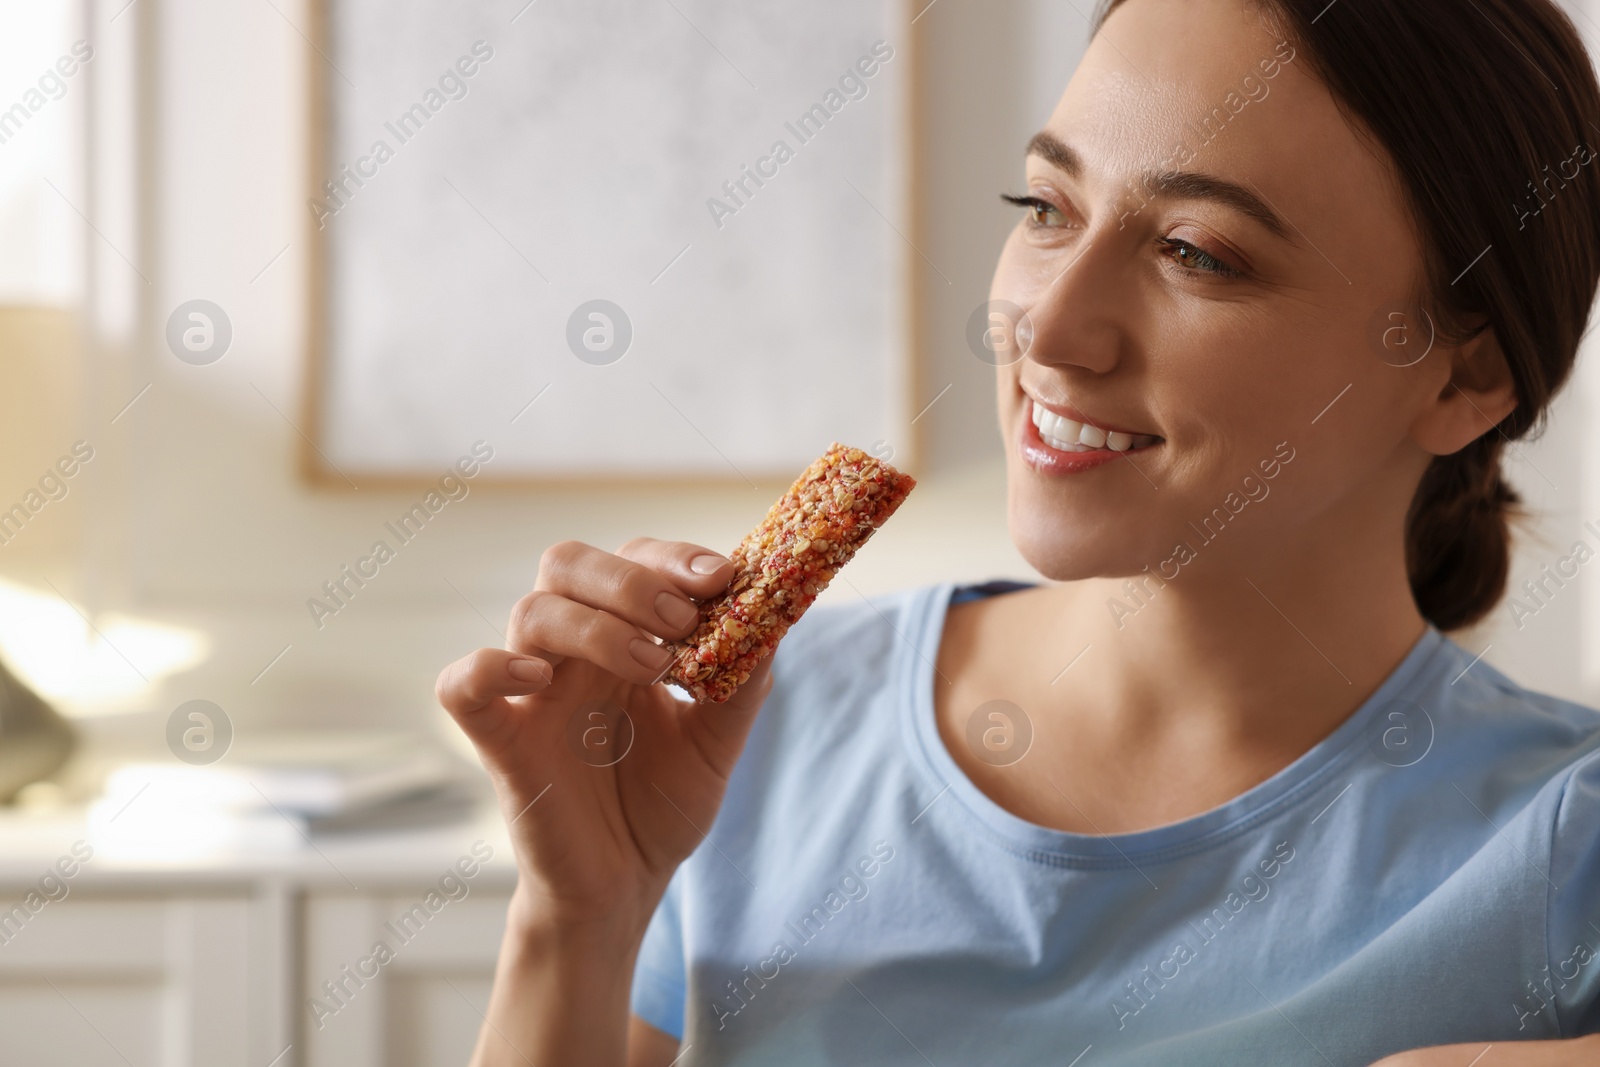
(1065, 546)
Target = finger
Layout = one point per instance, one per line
(632, 591)
(549, 626)
(480, 682)
(698, 571)
(747, 700)
(725, 726)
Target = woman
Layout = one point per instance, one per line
(1220, 791)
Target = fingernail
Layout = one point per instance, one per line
(671, 660)
(706, 564)
(675, 611)
(651, 655)
(528, 670)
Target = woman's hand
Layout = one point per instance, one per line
(597, 842)
(607, 782)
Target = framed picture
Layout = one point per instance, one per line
(610, 240)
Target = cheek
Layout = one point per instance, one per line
(1226, 384)
(1240, 393)
(1024, 270)
(1008, 393)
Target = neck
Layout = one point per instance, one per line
(1251, 641)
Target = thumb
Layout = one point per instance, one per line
(729, 723)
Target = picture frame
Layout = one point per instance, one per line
(470, 240)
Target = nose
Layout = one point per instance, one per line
(1080, 315)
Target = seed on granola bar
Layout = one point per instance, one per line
(808, 534)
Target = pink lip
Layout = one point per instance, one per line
(1046, 460)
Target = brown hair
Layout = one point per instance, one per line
(1485, 112)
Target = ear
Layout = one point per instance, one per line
(1478, 394)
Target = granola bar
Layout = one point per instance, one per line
(781, 566)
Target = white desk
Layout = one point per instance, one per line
(210, 961)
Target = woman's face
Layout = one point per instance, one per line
(1205, 267)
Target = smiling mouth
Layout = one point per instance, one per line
(1064, 435)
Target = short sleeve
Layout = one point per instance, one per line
(659, 974)
(1573, 979)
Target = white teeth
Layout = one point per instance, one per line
(1064, 435)
(1063, 446)
(1061, 429)
(1067, 430)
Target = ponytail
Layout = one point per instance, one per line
(1458, 535)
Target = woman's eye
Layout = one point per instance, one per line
(1192, 258)
(1039, 211)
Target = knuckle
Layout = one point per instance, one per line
(637, 587)
(474, 680)
(635, 546)
(481, 665)
(595, 631)
(444, 687)
(559, 556)
(455, 688)
(526, 612)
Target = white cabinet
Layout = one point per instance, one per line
(93, 980)
(417, 1001)
(224, 961)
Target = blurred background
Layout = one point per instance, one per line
(262, 798)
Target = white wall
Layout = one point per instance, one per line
(195, 516)
(211, 527)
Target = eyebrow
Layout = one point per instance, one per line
(1184, 185)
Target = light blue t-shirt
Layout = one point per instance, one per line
(1429, 873)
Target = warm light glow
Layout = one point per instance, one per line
(151, 828)
(55, 651)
